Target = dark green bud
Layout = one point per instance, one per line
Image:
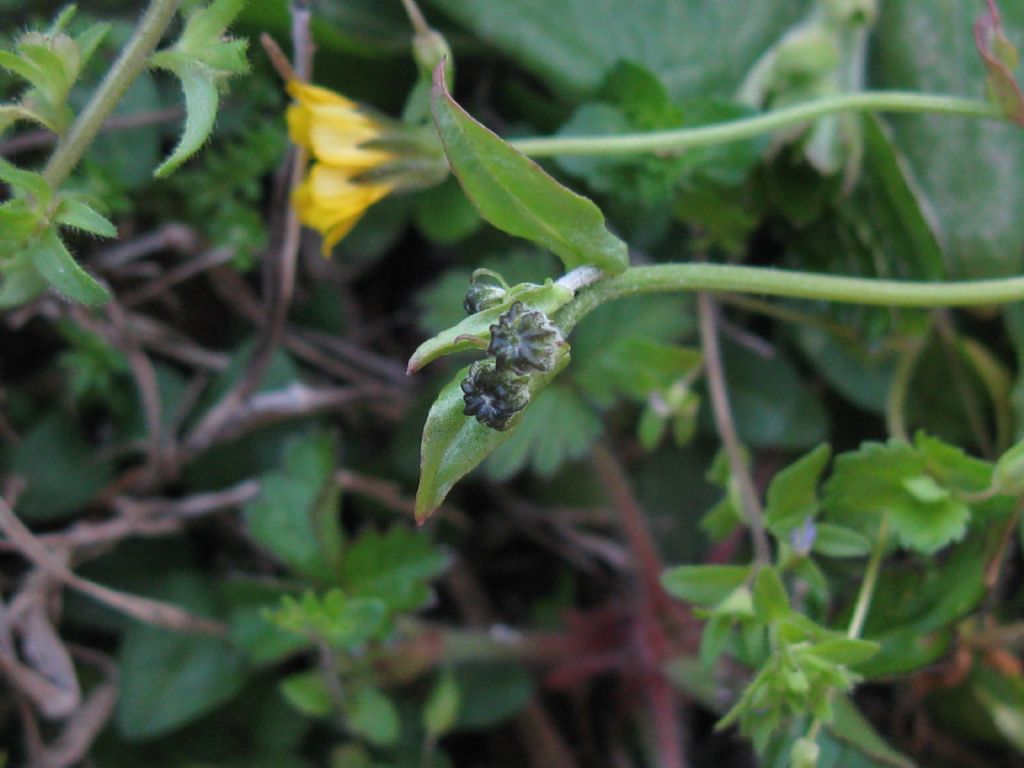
(482, 296)
(524, 340)
(493, 396)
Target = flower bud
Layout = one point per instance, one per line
(805, 753)
(524, 340)
(481, 295)
(494, 395)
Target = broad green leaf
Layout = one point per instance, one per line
(515, 194)
(371, 714)
(296, 515)
(250, 627)
(394, 567)
(978, 226)
(60, 467)
(850, 727)
(558, 427)
(444, 215)
(201, 99)
(771, 602)
(453, 443)
(75, 213)
(474, 330)
(706, 585)
(891, 479)
(59, 268)
(696, 47)
(169, 679)
(793, 492)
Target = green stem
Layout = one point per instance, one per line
(129, 64)
(675, 278)
(749, 127)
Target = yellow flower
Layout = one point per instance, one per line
(331, 199)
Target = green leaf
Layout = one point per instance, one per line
(75, 213)
(515, 194)
(54, 448)
(442, 708)
(337, 619)
(444, 215)
(296, 513)
(891, 479)
(308, 693)
(26, 182)
(372, 715)
(394, 567)
(201, 99)
(491, 692)
(636, 367)
(169, 679)
(851, 727)
(844, 650)
(474, 331)
(558, 427)
(793, 492)
(59, 268)
(706, 585)
(838, 541)
(21, 282)
(453, 444)
(771, 602)
(978, 226)
(696, 47)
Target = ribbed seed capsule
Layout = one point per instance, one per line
(524, 340)
(493, 396)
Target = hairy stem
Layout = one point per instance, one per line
(129, 64)
(676, 278)
(749, 127)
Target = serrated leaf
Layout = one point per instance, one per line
(771, 602)
(706, 585)
(58, 267)
(393, 567)
(296, 514)
(474, 331)
(515, 194)
(372, 715)
(337, 619)
(873, 481)
(208, 23)
(793, 492)
(75, 213)
(558, 427)
(453, 444)
(201, 99)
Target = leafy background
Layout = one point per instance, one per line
(313, 562)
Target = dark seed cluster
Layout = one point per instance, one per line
(481, 296)
(493, 396)
(523, 342)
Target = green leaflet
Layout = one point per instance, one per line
(453, 444)
(515, 194)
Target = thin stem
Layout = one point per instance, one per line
(129, 64)
(667, 278)
(726, 427)
(769, 122)
(896, 401)
(867, 586)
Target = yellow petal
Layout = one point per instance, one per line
(313, 94)
(298, 119)
(331, 203)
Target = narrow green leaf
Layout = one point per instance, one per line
(844, 650)
(208, 24)
(442, 708)
(201, 99)
(75, 213)
(372, 715)
(26, 181)
(59, 268)
(20, 282)
(839, 541)
(474, 330)
(21, 67)
(851, 727)
(706, 585)
(517, 196)
(453, 444)
(89, 40)
(52, 79)
(771, 602)
(307, 692)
